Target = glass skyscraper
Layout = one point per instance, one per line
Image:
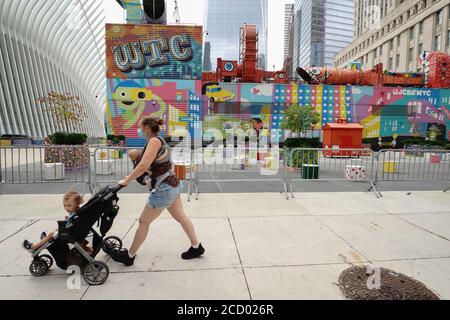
(322, 29)
(223, 22)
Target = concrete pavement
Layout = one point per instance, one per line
(258, 245)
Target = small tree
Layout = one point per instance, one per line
(64, 107)
(300, 119)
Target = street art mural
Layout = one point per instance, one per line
(153, 70)
(153, 51)
(383, 111)
(178, 102)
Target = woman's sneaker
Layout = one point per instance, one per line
(27, 246)
(193, 253)
(122, 256)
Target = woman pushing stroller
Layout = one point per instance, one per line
(165, 193)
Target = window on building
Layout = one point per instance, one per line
(391, 44)
(439, 17)
(375, 52)
(397, 61)
(437, 42)
(411, 33)
(398, 41)
(381, 50)
(448, 38)
(421, 27)
(420, 48)
(411, 54)
(391, 63)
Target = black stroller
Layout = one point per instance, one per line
(101, 210)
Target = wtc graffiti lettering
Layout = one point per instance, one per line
(154, 53)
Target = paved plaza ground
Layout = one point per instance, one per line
(258, 245)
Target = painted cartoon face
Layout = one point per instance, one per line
(131, 99)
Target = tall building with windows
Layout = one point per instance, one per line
(223, 22)
(207, 66)
(48, 46)
(288, 10)
(322, 29)
(398, 32)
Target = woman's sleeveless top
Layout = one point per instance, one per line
(162, 166)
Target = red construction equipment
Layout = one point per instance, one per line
(373, 77)
(246, 69)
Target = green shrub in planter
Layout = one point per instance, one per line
(62, 138)
(296, 158)
(300, 157)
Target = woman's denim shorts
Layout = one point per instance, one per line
(164, 197)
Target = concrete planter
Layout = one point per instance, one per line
(73, 157)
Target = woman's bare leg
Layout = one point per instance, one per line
(177, 212)
(147, 217)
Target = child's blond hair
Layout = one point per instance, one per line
(75, 196)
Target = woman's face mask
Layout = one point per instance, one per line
(141, 133)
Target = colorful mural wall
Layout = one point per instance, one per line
(382, 111)
(153, 70)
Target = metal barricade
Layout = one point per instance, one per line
(413, 165)
(111, 164)
(45, 164)
(237, 164)
(314, 164)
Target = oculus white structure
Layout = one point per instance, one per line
(51, 46)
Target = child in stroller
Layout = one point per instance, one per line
(71, 201)
(101, 209)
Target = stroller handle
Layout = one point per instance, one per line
(118, 188)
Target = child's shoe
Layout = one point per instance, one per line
(27, 246)
(43, 235)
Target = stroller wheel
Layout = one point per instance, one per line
(38, 267)
(111, 244)
(96, 273)
(47, 259)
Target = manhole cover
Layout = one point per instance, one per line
(361, 283)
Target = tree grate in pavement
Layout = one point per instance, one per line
(363, 283)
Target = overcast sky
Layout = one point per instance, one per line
(189, 13)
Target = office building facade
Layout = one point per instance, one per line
(49, 46)
(322, 28)
(404, 30)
